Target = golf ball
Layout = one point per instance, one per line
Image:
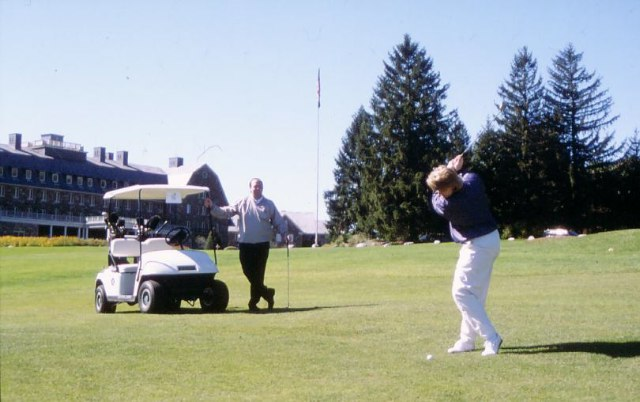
(429, 357)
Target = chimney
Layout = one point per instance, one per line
(110, 156)
(100, 153)
(15, 139)
(123, 157)
(176, 162)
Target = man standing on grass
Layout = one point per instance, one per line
(258, 216)
(461, 199)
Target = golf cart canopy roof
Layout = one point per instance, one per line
(166, 192)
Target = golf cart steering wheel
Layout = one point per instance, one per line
(177, 235)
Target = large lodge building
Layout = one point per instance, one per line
(50, 187)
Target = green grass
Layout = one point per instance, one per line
(359, 326)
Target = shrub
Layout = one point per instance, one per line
(24, 241)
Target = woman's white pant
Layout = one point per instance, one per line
(471, 284)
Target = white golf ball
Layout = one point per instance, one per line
(429, 357)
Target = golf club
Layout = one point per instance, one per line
(288, 270)
(214, 236)
(467, 149)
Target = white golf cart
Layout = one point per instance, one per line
(147, 261)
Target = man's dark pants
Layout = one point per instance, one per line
(253, 258)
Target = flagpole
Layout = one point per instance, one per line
(318, 164)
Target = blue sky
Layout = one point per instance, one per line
(233, 83)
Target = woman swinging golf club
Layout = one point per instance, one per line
(461, 199)
(258, 216)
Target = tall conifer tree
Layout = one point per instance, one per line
(531, 148)
(582, 111)
(414, 134)
(345, 205)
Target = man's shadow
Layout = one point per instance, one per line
(278, 310)
(611, 349)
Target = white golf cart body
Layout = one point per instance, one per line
(149, 270)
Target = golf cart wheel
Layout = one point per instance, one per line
(215, 298)
(102, 305)
(150, 297)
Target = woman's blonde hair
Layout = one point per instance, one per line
(443, 177)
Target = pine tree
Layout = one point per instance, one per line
(581, 111)
(619, 192)
(532, 155)
(345, 205)
(497, 166)
(413, 134)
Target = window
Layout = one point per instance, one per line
(44, 196)
(30, 196)
(69, 180)
(14, 173)
(79, 181)
(43, 176)
(1, 171)
(16, 192)
(93, 201)
(1, 191)
(188, 209)
(89, 182)
(114, 184)
(71, 197)
(82, 199)
(57, 197)
(103, 183)
(27, 174)
(55, 177)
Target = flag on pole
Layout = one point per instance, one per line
(318, 88)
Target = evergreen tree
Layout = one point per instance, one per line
(581, 111)
(345, 205)
(530, 198)
(492, 159)
(619, 192)
(413, 135)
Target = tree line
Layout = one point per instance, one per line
(547, 156)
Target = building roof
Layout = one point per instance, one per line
(305, 222)
(91, 167)
(181, 175)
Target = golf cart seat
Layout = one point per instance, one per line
(130, 247)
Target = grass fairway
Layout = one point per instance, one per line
(359, 326)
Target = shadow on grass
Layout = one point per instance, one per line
(285, 310)
(611, 349)
(288, 310)
(278, 310)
